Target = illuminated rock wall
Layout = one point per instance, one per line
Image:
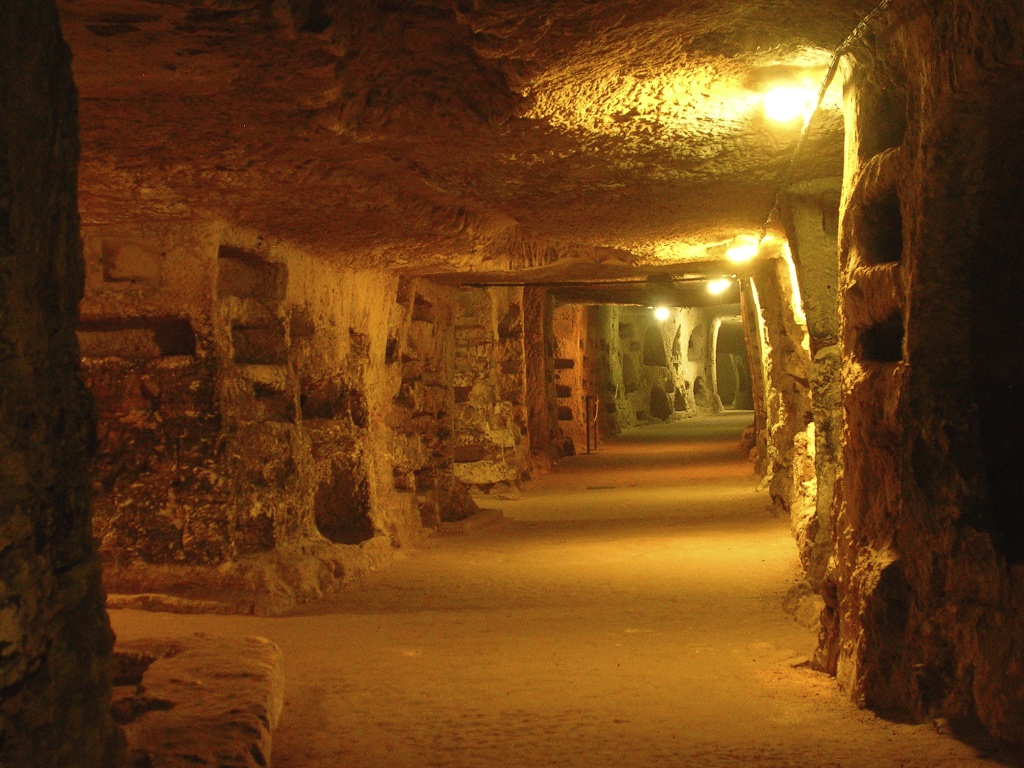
(926, 590)
(811, 215)
(269, 424)
(491, 435)
(637, 370)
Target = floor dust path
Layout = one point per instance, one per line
(628, 613)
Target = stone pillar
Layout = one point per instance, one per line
(55, 641)
(925, 590)
(811, 217)
(542, 416)
(753, 334)
(491, 440)
(788, 379)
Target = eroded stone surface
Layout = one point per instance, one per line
(925, 587)
(514, 135)
(198, 700)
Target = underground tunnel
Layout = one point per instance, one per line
(514, 375)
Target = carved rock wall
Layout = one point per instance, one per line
(637, 369)
(812, 228)
(270, 424)
(786, 363)
(55, 641)
(546, 440)
(926, 590)
(491, 434)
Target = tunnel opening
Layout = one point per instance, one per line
(732, 366)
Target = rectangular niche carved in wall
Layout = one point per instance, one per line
(137, 338)
(130, 262)
(247, 276)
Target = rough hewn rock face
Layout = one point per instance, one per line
(926, 589)
(284, 396)
(269, 424)
(541, 391)
(634, 368)
(491, 442)
(431, 133)
(811, 215)
(787, 370)
(199, 700)
(55, 641)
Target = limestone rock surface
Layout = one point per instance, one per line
(199, 700)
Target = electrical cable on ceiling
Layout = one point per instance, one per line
(833, 68)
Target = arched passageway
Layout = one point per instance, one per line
(334, 273)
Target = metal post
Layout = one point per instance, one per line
(586, 418)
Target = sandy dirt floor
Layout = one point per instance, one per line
(627, 613)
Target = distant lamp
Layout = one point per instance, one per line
(661, 314)
(719, 286)
(785, 103)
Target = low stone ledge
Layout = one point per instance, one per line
(268, 584)
(199, 700)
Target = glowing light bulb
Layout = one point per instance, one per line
(719, 286)
(744, 248)
(785, 103)
(661, 314)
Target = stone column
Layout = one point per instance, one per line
(55, 641)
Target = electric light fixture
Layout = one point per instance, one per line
(743, 249)
(719, 286)
(785, 102)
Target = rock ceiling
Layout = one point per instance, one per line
(429, 135)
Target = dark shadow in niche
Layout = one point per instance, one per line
(882, 121)
(247, 276)
(341, 505)
(263, 344)
(137, 338)
(423, 310)
(701, 396)
(273, 404)
(654, 348)
(332, 399)
(660, 407)
(880, 229)
(996, 311)
(696, 347)
(679, 400)
(882, 343)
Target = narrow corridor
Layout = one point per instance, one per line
(628, 612)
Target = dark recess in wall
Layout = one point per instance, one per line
(137, 337)
(882, 343)
(997, 328)
(341, 505)
(245, 275)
